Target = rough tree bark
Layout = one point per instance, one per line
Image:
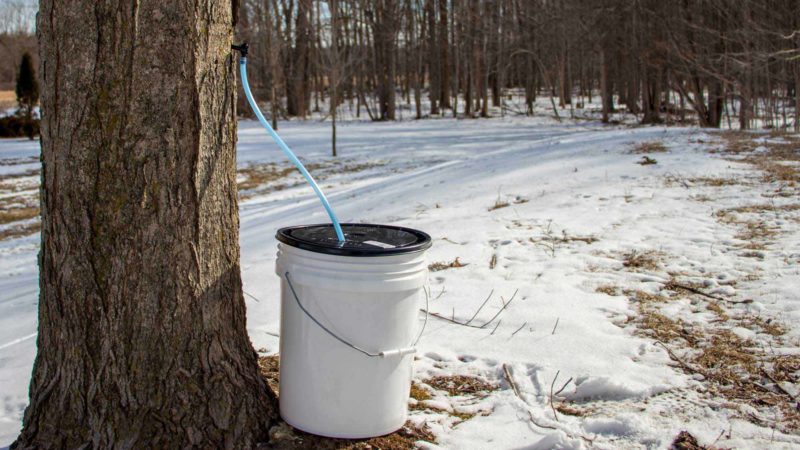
(142, 340)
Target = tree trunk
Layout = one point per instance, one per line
(444, 57)
(605, 91)
(298, 94)
(142, 340)
(385, 32)
(434, 62)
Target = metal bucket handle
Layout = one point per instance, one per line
(383, 354)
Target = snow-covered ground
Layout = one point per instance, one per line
(542, 215)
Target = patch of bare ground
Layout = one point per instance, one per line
(284, 437)
(685, 441)
(257, 175)
(455, 385)
(648, 147)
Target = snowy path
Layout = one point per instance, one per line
(561, 181)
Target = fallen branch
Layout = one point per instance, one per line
(673, 285)
(518, 329)
(685, 366)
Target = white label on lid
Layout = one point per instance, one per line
(379, 244)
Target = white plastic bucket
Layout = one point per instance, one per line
(335, 310)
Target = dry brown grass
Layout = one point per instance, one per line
(649, 147)
(756, 232)
(498, 204)
(455, 385)
(715, 181)
(454, 264)
(644, 297)
(20, 230)
(270, 369)
(15, 214)
(764, 207)
(717, 309)
(570, 410)
(731, 367)
(260, 174)
(738, 141)
(778, 162)
(660, 327)
(609, 289)
(419, 393)
(641, 260)
(759, 324)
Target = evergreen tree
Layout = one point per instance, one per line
(27, 86)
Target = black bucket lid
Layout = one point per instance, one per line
(361, 239)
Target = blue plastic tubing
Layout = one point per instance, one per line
(288, 151)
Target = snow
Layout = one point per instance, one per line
(568, 179)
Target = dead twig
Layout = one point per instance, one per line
(496, 326)
(505, 305)
(518, 329)
(564, 386)
(511, 383)
(480, 308)
(555, 414)
(555, 326)
(469, 322)
(439, 316)
(533, 421)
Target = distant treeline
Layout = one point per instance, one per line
(706, 60)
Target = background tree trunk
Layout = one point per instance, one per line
(142, 340)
